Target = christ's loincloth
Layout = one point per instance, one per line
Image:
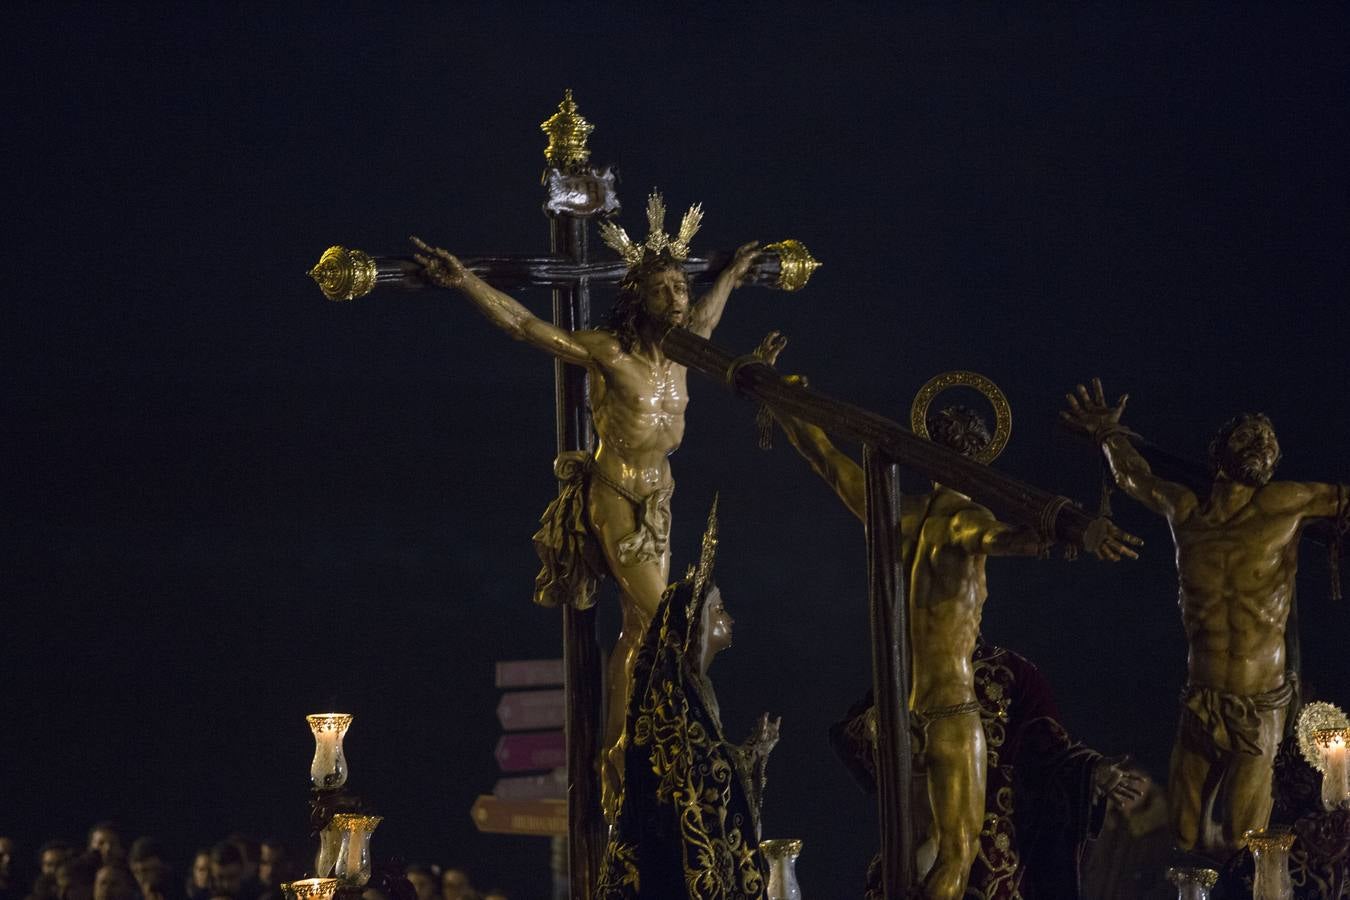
(919, 720)
(861, 730)
(572, 560)
(1215, 722)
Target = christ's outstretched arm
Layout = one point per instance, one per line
(708, 311)
(504, 311)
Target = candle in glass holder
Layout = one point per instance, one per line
(311, 889)
(1334, 746)
(353, 856)
(330, 840)
(1270, 851)
(328, 771)
(1192, 884)
(781, 855)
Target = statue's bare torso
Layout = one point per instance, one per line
(1236, 579)
(947, 593)
(638, 408)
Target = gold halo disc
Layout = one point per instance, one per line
(918, 412)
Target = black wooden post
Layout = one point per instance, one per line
(582, 661)
(890, 672)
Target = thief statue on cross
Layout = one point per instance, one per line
(1237, 555)
(612, 514)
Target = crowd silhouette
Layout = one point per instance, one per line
(238, 867)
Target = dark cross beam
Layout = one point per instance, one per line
(575, 193)
(345, 274)
(1057, 517)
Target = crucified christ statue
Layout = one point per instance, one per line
(613, 512)
(1237, 553)
(946, 538)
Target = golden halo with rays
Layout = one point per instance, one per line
(918, 412)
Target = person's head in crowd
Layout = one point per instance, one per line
(199, 875)
(455, 885)
(273, 860)
(106, 840)
(114, 881)
(149, 867)
(7, 854)
(227, 870)
(75, 876)
(248, 852)
(423, 881)
(496, 894)
(52, 854)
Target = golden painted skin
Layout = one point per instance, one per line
(948, 536)
(638, 400)
(1237, 554)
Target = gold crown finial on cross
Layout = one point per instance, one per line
(567, 132)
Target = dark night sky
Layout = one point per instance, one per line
(229, 502)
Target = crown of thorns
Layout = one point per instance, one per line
(657, 239)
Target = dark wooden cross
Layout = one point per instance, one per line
(575, 193)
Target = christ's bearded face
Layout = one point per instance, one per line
(665, 297)
(1250, 455)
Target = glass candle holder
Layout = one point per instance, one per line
(781, 855)
(328, 771)
(1192, 883)
(330, 841)
(353, 856)
(1334, 746)
(310, 889)
(1270, 851)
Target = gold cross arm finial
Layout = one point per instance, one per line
(567, 132)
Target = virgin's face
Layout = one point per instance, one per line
(717, 622)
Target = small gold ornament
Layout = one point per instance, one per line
(567, 133)
(344, 274)
(795, 264)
